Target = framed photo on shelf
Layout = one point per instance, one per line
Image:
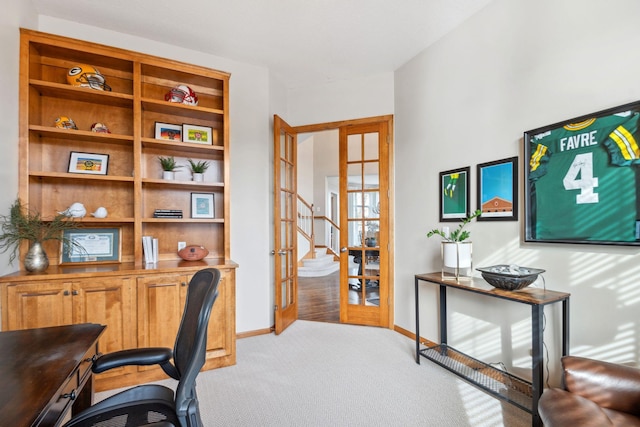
(454, 194)
(197, 134)
(88, 163)
(581, 179)
(168, 131)
(91, 245)
(202, 205)
(498, 190)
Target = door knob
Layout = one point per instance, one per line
(343, 249)
(282, 252)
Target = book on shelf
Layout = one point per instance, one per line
(150, 249)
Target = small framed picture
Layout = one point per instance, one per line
(202, 205)
(88, 163)
(454, 194)
(197, 134)
(498, 190)
(168, 131)
(91, 245)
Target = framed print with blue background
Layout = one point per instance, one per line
(582, 182)
(454, 194)
(498, 190)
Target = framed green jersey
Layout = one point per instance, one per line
(583, 179)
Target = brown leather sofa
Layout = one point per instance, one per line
(595, 394)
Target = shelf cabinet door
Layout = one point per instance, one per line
(161, 300)
(107, 301)
(38, 305)
(221, 343)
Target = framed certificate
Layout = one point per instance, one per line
(91, 245)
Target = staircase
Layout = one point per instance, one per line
(322, 265)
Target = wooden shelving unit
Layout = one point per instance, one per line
(122, 294)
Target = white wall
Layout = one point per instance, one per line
(16, 14)
(515, 66)
(340, 100)
(250, 107)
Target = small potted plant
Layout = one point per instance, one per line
(198, 169)
(456, 251)
(22, 224)
(169, 166)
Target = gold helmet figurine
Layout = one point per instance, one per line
(65, 122)
(87, 76)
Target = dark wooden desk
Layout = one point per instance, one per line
(498, 383)
(46, 371)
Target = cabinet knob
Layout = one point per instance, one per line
(65, 293)
(74, 292)
(71, 395)
(184, 283)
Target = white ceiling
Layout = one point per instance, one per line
(302, 42)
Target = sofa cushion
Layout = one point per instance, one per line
(559, 408)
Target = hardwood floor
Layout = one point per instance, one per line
(319, 298)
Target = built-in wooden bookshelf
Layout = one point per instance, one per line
(140, 303)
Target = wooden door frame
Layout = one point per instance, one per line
(363, 121)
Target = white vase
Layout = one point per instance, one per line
(198, 177)
(168, 175)
(456, 259)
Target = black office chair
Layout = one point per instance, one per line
(156, 405)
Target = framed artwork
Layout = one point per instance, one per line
(168, 131)
(197, 134)
(88, 163)
(498, 190)
(94, 245)
(454, 194)
(582, 179)
(202, 205)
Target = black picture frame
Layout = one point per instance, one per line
(497, 190)
(582, 179)
(454, 188)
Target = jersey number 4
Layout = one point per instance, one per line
(580, 177)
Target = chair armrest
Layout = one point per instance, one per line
(608, 384)
(560, 408)
(136, 356)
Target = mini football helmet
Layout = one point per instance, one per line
(100, 128)
(182, 94)
(87, 76)
(64, 122)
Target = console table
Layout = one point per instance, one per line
(46, 372)
(498, 383)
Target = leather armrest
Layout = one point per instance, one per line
(607, 384)
(136, 356)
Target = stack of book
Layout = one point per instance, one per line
(150, 249)
(167, 213)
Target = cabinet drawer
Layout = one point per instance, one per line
(87, 362)
(63, 404)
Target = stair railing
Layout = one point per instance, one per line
(306, 225)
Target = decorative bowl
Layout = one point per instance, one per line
(509, 277)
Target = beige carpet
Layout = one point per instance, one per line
(324, 374)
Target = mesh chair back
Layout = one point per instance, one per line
(190, 346)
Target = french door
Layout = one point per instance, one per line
(364, 203)
(364, 224)
(285, 224)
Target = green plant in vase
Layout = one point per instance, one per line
(198, 168)
(169, 166)
(459, 234)
(24, 224)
